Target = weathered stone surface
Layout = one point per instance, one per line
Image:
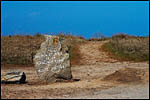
(13, 77)
(52, 60)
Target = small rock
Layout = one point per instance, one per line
(13, 77)
(89, 80)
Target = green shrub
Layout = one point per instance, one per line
(38, 35)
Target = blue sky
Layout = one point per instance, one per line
(79, 17)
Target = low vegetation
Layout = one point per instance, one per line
(128, 48)
(21, 49)
(98, 37)
(73, 43)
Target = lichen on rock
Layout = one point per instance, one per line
(52, 60)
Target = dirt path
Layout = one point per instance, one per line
(95, 66)
(91, 54)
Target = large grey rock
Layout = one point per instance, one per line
(52, 60)
(13, 76)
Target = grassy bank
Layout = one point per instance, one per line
(128, 48)
(21, 49)
(73, 43)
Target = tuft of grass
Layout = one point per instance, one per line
(38, 35)
(128, 48)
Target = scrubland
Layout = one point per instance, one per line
(116, 67)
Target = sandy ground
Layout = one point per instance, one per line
(95, 66)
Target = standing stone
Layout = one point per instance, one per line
(52, 60)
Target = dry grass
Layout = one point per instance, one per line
(73, 43)
(21, 49)
(98, 39)
(129, 48)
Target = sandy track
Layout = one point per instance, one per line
(91, 54)
(95, 66)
